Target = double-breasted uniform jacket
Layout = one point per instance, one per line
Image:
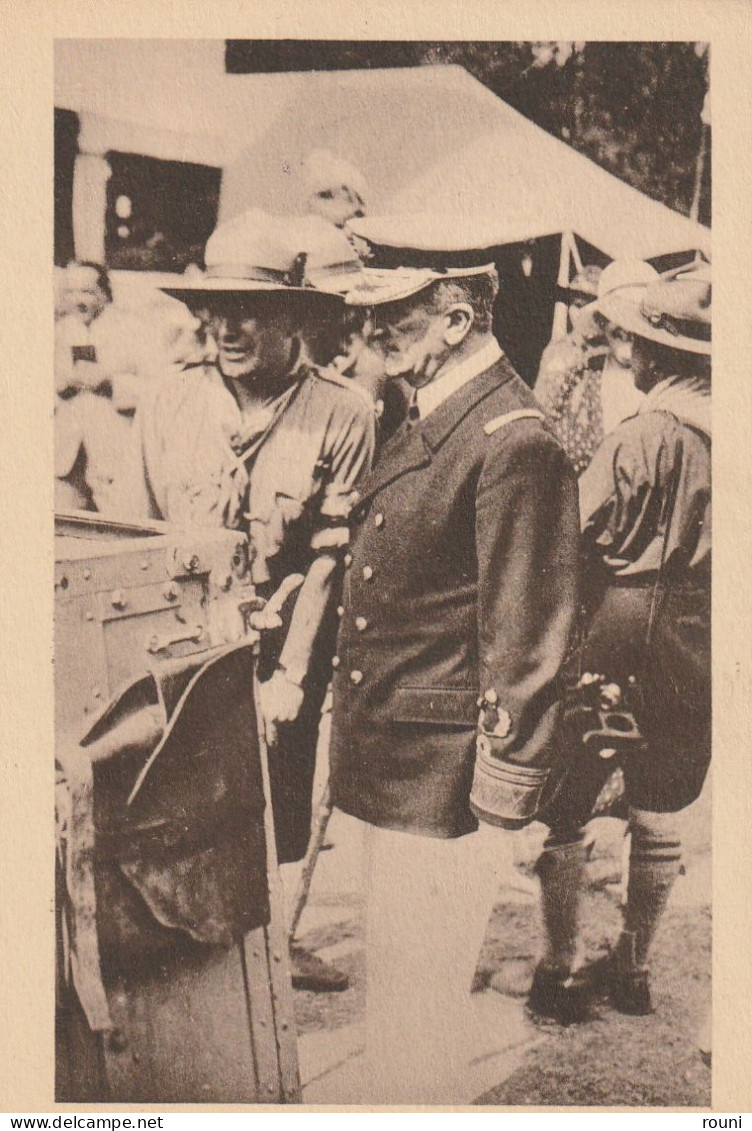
(460, 584)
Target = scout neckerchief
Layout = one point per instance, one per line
(235, 480)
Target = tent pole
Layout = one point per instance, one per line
(559, 328)
(694, 210)
(575, 252)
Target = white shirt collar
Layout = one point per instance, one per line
(450, 377)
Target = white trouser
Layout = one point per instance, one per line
(428, 902)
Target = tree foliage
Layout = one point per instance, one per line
(633, 108)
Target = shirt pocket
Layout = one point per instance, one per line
(282, 480)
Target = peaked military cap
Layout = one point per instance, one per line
(406, 253)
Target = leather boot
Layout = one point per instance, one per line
(558, 990)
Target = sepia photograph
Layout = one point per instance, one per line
(382, 572)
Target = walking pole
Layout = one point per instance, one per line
(323, 813)
(263, 620)
(278, 970)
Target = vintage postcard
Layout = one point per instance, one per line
(375, 720)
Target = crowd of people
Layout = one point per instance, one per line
(507, 591)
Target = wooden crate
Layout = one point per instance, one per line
(188, 1022)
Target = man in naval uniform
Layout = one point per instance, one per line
(459, 600)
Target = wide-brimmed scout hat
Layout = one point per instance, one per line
(404, 254)
(254, 253)
(673, 309)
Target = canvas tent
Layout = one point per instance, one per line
(425, 137)
(436, 137)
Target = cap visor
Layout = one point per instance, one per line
(383, 285)
(191, 288)
(378, 294)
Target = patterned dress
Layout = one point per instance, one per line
(569, 391)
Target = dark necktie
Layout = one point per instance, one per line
(413, 412)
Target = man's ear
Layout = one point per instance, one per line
(458, 321)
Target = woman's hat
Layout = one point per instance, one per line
(254, 252)
(626, 277)
(673, 309)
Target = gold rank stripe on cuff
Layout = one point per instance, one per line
(510, 417)
(502, 791)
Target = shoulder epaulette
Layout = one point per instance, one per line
(510, 417)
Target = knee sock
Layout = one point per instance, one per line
(654, 864)
(561, 871)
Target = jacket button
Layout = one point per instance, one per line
(361, 624)
(340, 610)
(356, 677)
(378, 519)
(367, 573)
(335, 661)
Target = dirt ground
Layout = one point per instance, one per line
(615, 1060)
(612, 1060)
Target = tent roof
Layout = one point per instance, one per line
(434, 137)
(424, 137)
(536, 185)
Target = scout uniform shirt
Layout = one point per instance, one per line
(624, 493)
(305, 453)
(189, 467)
(645, 502)
(92, 441)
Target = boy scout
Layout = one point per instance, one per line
(645, 502)
(263, 440)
